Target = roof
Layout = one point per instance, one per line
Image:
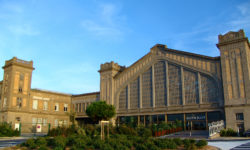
(165, 49)
(51, 92)
(86, 94)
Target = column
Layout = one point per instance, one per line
(199, 87)
(182, 87)
(167, 84)
(153, 86)
(140, 88)
(184, 122)
(206, 122)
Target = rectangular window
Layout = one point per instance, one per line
(44, 121)
(21, 77)
(65, 107)
(56, 122)
(83, 107)
(35, 104)
(19, 102)
(45, 105)
(4, 101)
(34, 121)
(56, 107)
(80, 107)
(20, 89)
(65, 122)
(39, 120)
(239, 116)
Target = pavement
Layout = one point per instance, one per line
(11, 141)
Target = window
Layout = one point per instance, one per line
(56, 107)
(19, 102)
(65, 107)
(39, 120)
(45, 122)
(34, 121)
(65, 122)
(4, 101)
(80, 107)
(21, 77)
(45, 105)
(20, 89)
(239, 116)
(56, 122)
(35, 104)
(18, 119)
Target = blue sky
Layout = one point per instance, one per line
(69, 39)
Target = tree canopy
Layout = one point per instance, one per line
(100, 110)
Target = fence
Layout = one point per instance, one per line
(215, 127)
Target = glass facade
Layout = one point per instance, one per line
(123, 98)
(174, 75)
(191, 87)
(147, 89)
(134, 94)
(160, 84)
(209, 89)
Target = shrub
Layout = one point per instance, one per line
(177, 141)
(141, 147)
(41, 141)
(60, 142)
(186, 143)
(43, 147)
(6, 130)
(144, 132)
(30, 143)
(201, 143)
(106, 147)
(123, 129)
(192, 146)
(228, 132)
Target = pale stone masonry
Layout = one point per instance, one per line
(162, 86)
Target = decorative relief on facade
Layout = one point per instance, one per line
(147, 95)
(175, 95)
(191, 87)
(160, 84)
(209, 89)
(134, 94)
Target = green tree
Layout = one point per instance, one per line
(100, 110)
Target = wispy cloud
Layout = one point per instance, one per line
(242, 20)
(20, 30)
(108, 22)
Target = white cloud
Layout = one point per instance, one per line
(23, 30)
(107, 23)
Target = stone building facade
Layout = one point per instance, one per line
(162, 86)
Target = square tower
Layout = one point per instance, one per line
(15, 88)
(235, 66)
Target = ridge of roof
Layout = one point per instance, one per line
(85, 94)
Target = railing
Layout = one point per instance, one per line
(216, 127)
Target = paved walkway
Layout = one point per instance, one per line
(245, 146)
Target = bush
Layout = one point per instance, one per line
(30, 143)
(123, 129)
(177, 141)
(144, 132)
(6, 130)
(60, 142)
(192, 146)
(43, 147)
(201, 143)
(41, 141)
(228, 132)
(141, 147)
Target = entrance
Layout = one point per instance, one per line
(196, 125)
(196, 121)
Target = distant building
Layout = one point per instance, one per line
(162, 86)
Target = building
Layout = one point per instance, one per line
(164, 85)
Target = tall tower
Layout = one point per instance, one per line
(107, 74)
(235, 66)
(15, 88)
